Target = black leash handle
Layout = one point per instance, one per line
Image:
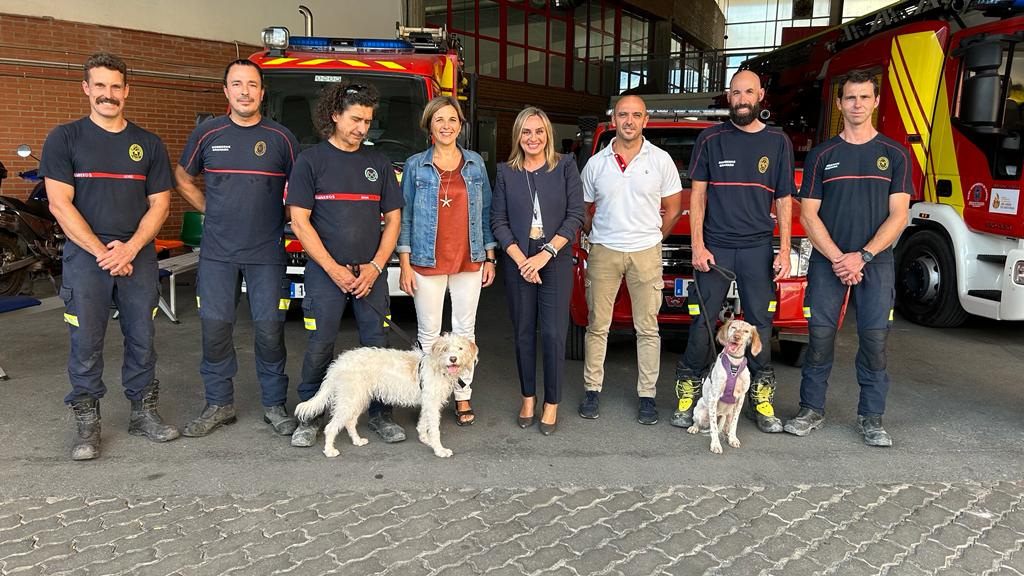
(728, 275)
(386, 318)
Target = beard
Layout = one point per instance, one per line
(749, 113)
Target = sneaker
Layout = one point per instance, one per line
(588, 408)
(280, 420)
(305, 434)
(804, 421)
(759, 402)
(648, 414)
(871, 428)
(688, 391)
(386, 428)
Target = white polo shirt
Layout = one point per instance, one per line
(628, 202)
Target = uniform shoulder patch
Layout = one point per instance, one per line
(882, 163)
(135, 152)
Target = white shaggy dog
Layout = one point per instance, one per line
(396, 377)
(726, 387)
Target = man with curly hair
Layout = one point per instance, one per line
(245, 160)
(337, 193)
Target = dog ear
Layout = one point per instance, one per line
(440, 345)
(755, 341)
(723, 333)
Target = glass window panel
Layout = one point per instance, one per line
(579, 15)
(784, 10)
(858, 8)
(462, 16)
(515, 29)
(639, 31)
(536, 67)
(740, 11)
(747, 35)
(469, 52)
(538, 30)
(609, 19)
(594, 78)
(538, 3)
(596, 39)
(579, 76)
(515, 63)
(556, 71)
(821, 8)
(595, 16)
(557, 42)
(489, 59)
(490, 25)
(803, 9)
(435, 12)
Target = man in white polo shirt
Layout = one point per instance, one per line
(635, 188)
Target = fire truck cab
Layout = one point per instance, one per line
(952, 89)
(419, 64)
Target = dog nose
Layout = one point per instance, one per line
(453, 359)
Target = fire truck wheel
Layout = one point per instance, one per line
(574, 338)
(926, 291)
(10, 251)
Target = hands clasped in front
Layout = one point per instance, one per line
(849, 268)
(529, 268)
(354, 279)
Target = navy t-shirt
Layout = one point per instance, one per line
(245, 169)
(113, 173)
(853, 182)
(745, 172)
(347, 193)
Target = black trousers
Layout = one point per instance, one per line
(547, 302)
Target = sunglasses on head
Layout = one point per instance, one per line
(354, 89)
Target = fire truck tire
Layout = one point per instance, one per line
(792, 353)
(574, 339)
(926, 290)
(11, 251)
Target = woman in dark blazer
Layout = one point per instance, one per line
(536, 210)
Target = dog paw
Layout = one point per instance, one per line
(443, 453)
(693, 429)
(360, 441)
(716, 448)
(734, 442)
(425, 439)
(331, 452)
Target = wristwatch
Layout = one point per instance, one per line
(550, 249)
(491, 260)
(866, 256)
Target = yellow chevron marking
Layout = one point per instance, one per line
(355, 63)
(277, 61)
(315, 61)
(390, 65)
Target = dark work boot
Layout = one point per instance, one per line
(305, 434)
(386, 428)
(87, 438)
(211, 418)
(279, 418)
(145, 421)
(871, 428)
(804, 421)
(759, 402)
(688, 391)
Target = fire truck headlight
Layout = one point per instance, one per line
(1018, 272)
(800, 258)
(275, 38)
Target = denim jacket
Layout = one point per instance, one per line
(420, 185)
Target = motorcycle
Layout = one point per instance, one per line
(31, 241)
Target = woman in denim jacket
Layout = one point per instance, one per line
(446, 242)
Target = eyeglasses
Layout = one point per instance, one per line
(354, 89)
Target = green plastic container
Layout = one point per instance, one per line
(192, 228)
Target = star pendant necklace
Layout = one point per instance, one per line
(446, 202)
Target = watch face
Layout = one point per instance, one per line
(866, 256)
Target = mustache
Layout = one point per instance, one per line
(105, 100)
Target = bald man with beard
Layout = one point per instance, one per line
(739, 169)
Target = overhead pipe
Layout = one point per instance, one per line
(307, 19)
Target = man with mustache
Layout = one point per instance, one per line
(245, 160)
(109, 186)
(739, 169)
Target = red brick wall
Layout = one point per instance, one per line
(38, 98)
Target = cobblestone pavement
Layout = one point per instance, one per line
(946, 529)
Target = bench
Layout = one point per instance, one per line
(170, 268)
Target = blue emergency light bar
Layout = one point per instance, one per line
(350, 45)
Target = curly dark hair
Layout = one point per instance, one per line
(858, 77)
(337, 97)
(105, 60)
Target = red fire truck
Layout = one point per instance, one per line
(952, 90)
(675, 131)
(419, 64)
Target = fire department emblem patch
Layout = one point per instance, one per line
(135, 152)
(370, 174)
(260, 148)
(762, 164)
(882, 163)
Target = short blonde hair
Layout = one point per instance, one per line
(435, 104)
(517, 156)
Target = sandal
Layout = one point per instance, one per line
(460, 414)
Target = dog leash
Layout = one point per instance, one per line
(386, 318)
(728, 275)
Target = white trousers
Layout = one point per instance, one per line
(429, 301)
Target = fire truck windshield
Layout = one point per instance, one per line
(678, 142)
(291, 100)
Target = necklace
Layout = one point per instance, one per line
(446, 202)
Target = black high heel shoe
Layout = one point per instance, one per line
(526, 422)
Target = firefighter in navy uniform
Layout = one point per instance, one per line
(739, 169)
(245, 160)
(853, 204)
(337, 194)
(109, 186)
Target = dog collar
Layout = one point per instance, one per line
(729, 394)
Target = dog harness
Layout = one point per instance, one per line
(732, 371)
